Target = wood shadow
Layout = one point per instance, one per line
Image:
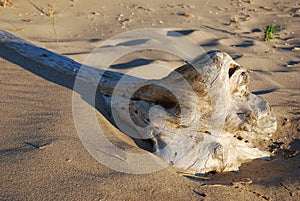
(132, 64)
(261, 92)
(96, 100)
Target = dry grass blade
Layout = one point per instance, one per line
(51, 9)
(36, 7)
(48, 13)
(6, 3)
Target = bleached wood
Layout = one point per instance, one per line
(201, 117)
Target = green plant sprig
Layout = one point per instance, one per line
(271, 32)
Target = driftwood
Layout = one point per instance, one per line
(201, 117)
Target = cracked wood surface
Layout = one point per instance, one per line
(205, 117)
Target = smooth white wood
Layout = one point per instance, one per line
(201, 117)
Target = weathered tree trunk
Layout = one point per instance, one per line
(201, 117)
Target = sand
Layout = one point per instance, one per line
(42, 157)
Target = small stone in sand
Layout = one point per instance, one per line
(41, 147)
(291, 154)
(296, 48)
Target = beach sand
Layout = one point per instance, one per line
(42, 157)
